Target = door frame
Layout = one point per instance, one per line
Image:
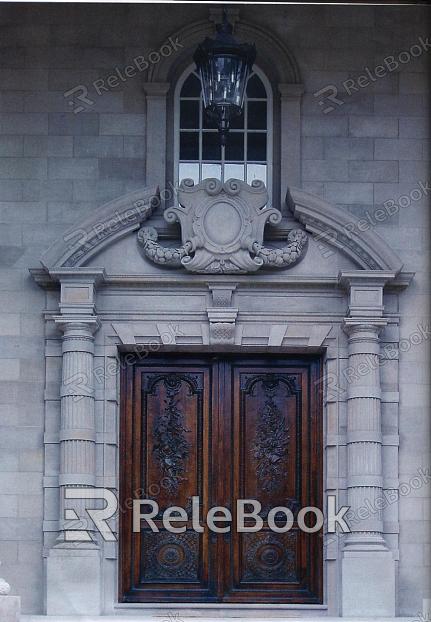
(316, 409)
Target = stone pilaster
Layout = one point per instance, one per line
(290, 159)
(156, 97)
(368, 567)
(76, 551)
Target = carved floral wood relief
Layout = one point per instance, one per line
(222, 227)
(271, 440)
(171, 447)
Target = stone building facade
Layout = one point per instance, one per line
(89, 152)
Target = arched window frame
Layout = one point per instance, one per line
(278, 64)
(269, 124)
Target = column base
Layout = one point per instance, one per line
(10, 608)
(368, 584)
(73, 582)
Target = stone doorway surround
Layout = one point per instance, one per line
(345, 309)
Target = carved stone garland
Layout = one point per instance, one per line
(222, 227)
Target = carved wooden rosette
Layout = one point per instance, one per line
(222, 228)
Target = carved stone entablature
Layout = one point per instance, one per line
(222, 227)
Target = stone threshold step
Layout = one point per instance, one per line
(178, 617)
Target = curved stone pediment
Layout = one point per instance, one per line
(336, 227)
(245, 214)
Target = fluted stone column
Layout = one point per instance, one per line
(78, 428)
(73, 564)
(368, 567)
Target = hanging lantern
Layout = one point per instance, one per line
(224, 65)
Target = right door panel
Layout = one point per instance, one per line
(276, 460)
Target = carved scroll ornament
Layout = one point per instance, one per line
(222, 226)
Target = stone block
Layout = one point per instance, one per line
(75, 125)
(37, 146)
(69, 212)
(373, 126)
(14, 211)
(134, 147)
(349, 148)
(66, 79)
(22, 168)
(24, 79)
(98, 146)
(400, 105)
(397, 149)
(11, 101)
(414, 172)
(321, 125)
(368, 580)
(414, 83)
(49, 190)
(9, 503)
(100, 191)
(11, 146)
(373, 171)
(122, 124)
(23, 123)
(10, 608)
(11, 190)
(414, 127)
(349, 193)
(45, 101)
(73, 168)
(123, 168)
(324, 170)
(9, 324)
(9, 369)
(67, 593)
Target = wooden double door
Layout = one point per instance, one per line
(221, 429)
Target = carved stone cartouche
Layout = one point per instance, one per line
(222, 227)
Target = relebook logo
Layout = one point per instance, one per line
(218, 519)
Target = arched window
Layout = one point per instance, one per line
(198, 153)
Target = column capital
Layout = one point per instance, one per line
(365, 289)
(156, 89)
(77, 323)
(290, 91)
(78, 290)
(363, 325)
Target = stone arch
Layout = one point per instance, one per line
(274, 57)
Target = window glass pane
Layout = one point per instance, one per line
(237, 123)
(191, 87)
(256, 115)
(235, 171)
(189, 171)
(189, 146)
(208, 123)
(235, 146)
(255, 87)
(256, 147)
(211, 170)
(211, 146)
(189, 114)
(256, 171)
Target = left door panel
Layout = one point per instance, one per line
(167, 443)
